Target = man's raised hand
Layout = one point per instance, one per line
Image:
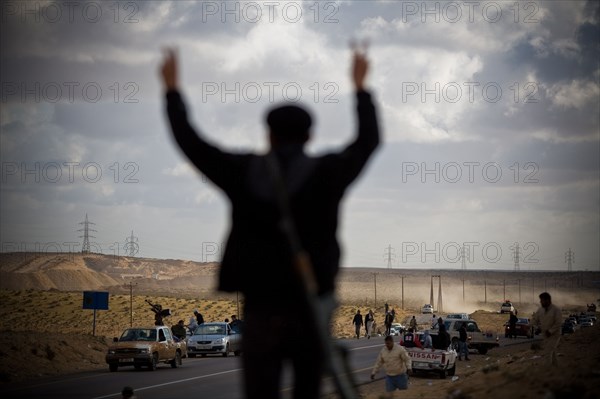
(169, 69)
(359, 70)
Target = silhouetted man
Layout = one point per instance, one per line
(258, 259)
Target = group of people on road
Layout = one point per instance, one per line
(179, 330)
(369, 323)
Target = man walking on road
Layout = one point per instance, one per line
(396, 362)
(358, 322)
(547, 321)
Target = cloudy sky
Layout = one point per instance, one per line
(489, 114)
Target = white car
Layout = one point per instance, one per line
(461, 316)
(214, 338)
(396, 329)
(507, 307)
(427, 309)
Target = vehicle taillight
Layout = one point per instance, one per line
(443, 358)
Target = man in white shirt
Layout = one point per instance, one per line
(548, 320)
(396, 363)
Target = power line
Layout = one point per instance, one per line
(131, 245)
(390, 256)
(569, 259)
(85, 248)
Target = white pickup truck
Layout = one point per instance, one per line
(439, 361)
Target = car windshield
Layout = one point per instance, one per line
(138, 334)
(210, 329)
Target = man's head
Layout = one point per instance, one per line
(545, 299)
(233, 317)
(180, 322)
(389, 342)
(127, 392)
(288, 124)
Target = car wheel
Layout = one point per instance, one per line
(203, 355)
(482, 350)
(153, 362)
(113, 367)
(226, 353)
(191, 355)
(237, 352)
(442, 374)
(177, 360)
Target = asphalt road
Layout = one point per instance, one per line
(212, 377)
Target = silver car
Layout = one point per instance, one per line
(214, 338)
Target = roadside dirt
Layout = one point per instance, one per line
(45, 333)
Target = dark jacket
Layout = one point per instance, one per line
(443, 340)
(256, 246)
(358, 320)
(462, 334)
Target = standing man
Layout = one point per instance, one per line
(463, 347)
(358, 322)
(369, 320)
(236, 324)
(396, 363)
(258, 244)
(443, 341)
(512, 325)
(413, 323)
(547, 321)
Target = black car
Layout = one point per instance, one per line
(567, 328)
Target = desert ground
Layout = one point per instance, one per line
(44, 330)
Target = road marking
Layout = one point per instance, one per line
(364, 347)
(112, 395)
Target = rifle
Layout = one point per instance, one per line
(159, 312)
(335, 357)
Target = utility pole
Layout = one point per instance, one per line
(463, 258)
(130, 285)
(402, 276)
(485, 291)
(463, 282)
(440, 305)
(504, 289)
(569, 259)
(516, 256)
(519, 281)
(375, 286)
(431, 293)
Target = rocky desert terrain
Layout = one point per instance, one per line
(44, 330)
